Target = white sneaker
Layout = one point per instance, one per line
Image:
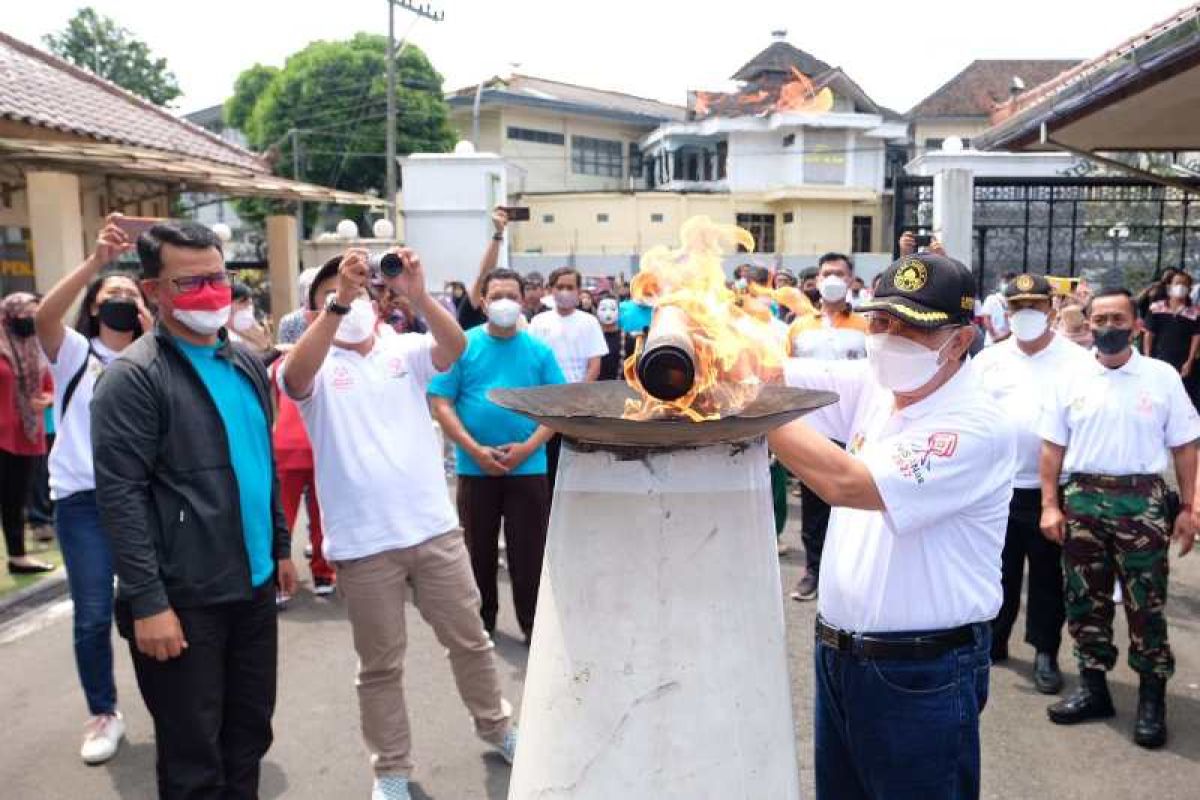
(391, 787)
(102, 736)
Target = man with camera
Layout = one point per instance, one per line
(1109, 425)
(388, 520)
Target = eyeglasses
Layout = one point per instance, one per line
(194, 283)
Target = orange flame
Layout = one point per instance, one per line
(800, 95)
(737, 349)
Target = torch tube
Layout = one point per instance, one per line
(667, 366)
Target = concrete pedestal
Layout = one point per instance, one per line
(658, 668)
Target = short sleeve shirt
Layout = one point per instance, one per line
(491, 362)
(379, 468)
(944, 467)
(1173, 332)
(70, 461)
(994, 307)
(1119, 421)
(1018, 384)
(837, 338)
(575, 339)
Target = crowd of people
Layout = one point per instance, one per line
(974, 441)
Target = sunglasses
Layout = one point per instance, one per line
(194, 283)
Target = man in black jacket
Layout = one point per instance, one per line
(186, 487)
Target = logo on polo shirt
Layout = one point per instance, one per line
(1145, 404)
(916, 463)
(856, 444)
(342, 379)
(395, 368)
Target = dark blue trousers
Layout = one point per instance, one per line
(900, 730)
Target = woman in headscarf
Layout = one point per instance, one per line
(24, 396)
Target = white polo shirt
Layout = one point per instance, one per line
(575, 339)
(1119, 421)
(70, 463)
(1018, 384)
(944, 469)
(379, 471)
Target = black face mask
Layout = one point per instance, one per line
(22, 327)
(814, 296)
(119, 315)
(1111, 341)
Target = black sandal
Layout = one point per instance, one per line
(36, 568)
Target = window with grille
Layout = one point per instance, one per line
(762, 228)
(635, 160)
(591, 156)
(656, 217)
(547, 218)
(535, 136)
(860, 234)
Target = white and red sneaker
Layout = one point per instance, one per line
(102, 737)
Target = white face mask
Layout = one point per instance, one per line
(359, 324)
(203, 322)
(1028, 324)
(1178, 290)
(243, 319)
(566, 299)
(901, 364)
(607, 312)
(833, 289)
(504, 313)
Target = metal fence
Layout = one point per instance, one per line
(1111, 231)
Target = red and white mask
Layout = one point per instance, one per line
(205, 311)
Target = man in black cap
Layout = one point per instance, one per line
(1017, 373)
(910, 575)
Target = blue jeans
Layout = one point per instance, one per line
(87, 555)
(893, 730)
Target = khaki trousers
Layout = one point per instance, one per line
(445, 594)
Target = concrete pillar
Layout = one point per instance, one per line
(56, 225)
(283, 264)
(659, 669)
(954, 212)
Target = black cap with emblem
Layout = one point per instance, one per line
(926, 291)
(1028, 287)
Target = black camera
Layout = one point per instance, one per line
(389, 265)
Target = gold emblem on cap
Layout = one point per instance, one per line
(1024, 283)
(911, 277)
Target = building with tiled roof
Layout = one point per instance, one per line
(75, 147)
(963, 105)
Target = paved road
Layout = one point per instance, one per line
(318, 753)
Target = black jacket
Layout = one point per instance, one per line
(165, 484)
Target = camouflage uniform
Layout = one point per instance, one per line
(1116, 530)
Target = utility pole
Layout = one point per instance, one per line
(422, 11)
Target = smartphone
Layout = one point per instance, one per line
(516, 213)
(136, 226)
(923, 239)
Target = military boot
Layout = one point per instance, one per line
(1090, 701)
(1150, 730)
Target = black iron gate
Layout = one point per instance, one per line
(1111, 231)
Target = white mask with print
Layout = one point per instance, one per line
(359, 324)
(607, 312)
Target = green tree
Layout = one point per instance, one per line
(98, 44)
(248, 87)
(335, 94)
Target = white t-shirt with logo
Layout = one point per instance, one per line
(944, 469)
(575, 339)
(70, 463)
(379, 470)
(1019, 384)
(1119, 421)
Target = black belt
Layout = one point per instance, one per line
(1117, 481)
(913, 648)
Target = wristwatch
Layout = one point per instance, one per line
(333, 307)
(497, 237)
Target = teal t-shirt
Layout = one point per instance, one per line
(249, 450)
(493, 363)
